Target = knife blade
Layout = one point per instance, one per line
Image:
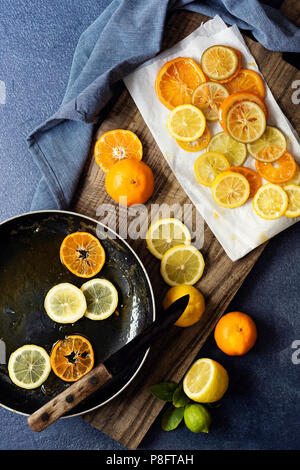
(119, 360)
(102, 373)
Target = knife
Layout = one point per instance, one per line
(102, 373)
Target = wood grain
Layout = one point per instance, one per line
(128, 417)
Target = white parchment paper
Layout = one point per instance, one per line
(238, 230)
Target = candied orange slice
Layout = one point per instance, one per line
(115, 145)
(208, 97)
(248, 81)
(177, 80)
(82, 254)
(198, 144)
(280, 171)
(71, 358)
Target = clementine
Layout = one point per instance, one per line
(235, 333)
(129, 182)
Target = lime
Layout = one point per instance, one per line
(101, 298)
(65, 303)
(197, 418)
(29, 366)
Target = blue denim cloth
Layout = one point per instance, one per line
(125, 35)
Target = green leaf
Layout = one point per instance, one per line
(172, 418)
(179, 397)
(164, 390)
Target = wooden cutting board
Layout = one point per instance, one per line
(128, 417)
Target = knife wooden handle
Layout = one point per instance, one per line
(69, 398)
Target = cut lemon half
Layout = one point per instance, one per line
(29, 366)
(186, 123)
(246, 121)
(165, 234)
(208, 97)
(65, 303)
(196, 145)
(235, 152)
(208, 166)
(293, 208)
(219, 62)
(182, 265)
(270, 201)
(230, 189)
(269, 147)
(101, 298)
(206, 381)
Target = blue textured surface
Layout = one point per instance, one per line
(261, 411)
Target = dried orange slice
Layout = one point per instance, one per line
(253, 178)
(115, 145)
(219, 62)
(237, 98)
(71, 358)
(177, 80)
(245, 122)
(198, 144)
(208, 97)
(248, 81)
(82, 254)
(278, 172)
(269, 147)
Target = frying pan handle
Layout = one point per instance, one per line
(69, 398)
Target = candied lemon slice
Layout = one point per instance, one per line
(269, 147)
(208, 97)
(219, 62)
(270, 201)
(186, 123)
(208, 166)
(196, 145)
(182, 265)
(293, 208)
(230, 189)
(235, 152)
(165, 234)
(245, 121)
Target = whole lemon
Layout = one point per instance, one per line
(195, 308)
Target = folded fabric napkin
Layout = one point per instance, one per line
(125, 35)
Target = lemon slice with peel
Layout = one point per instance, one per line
(29, 366)
(246, 121)
(219, 62)
(293, 208)
(65, 303)
(270, 201)
(269, 147)
(196, 145)
(296, 178)
(206, 381)
(208, 97)
(101, 298)
(165, 234)
(186, 123)
(182, 265)
(230, 189)
(208, 166)
(235, 152)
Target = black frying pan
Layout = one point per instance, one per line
(30, 266)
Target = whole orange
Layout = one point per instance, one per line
(129, 182)
(235, 333)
